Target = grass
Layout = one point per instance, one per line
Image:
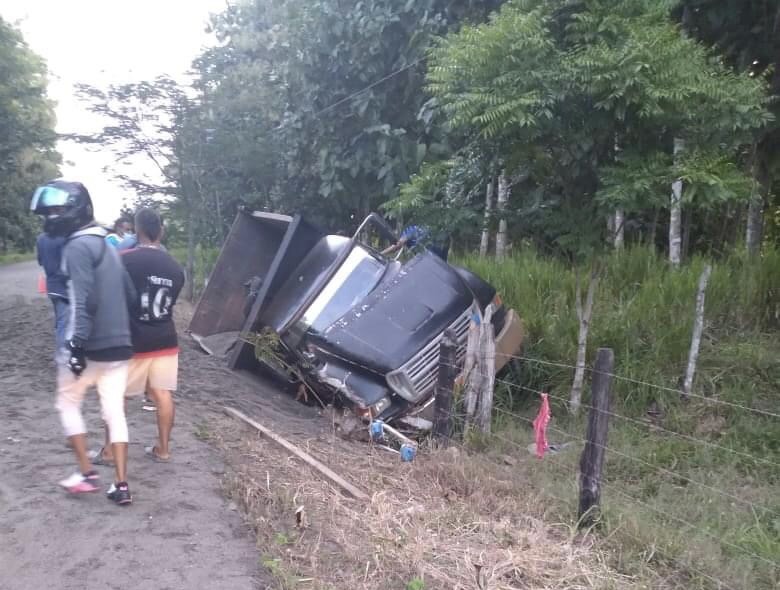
(451, 519)
(651, 490)
(14, 257)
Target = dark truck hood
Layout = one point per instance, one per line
(399, 317)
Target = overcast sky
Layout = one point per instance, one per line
(102, 42)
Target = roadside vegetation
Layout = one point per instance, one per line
(727, 528)
(27, 140)
(14, 257)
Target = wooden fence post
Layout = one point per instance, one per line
(442, 426)
(592, 459)
(698, 328)
(487, 367)
(471, 370)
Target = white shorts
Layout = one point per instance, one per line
(158, 372)
(110, 379)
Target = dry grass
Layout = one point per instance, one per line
(449, 520)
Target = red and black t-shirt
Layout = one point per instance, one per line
(157, 279)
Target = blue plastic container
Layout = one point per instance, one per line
(377, 430)
(408, 452)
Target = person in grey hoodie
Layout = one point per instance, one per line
(98, 345)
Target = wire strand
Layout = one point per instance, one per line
(658, 469)
(614, 487)
(648, 384)
(642, 423)
(564, 469)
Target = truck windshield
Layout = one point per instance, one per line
(354, 279)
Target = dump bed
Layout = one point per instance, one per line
(261, 244)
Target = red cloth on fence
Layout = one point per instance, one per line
(540, 426)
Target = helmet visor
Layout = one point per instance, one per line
(48, 196)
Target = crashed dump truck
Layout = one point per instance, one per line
(350, 324)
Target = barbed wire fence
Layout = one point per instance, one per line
(623, 498)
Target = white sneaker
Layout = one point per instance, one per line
(80, 484)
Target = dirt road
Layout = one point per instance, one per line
(180, 533)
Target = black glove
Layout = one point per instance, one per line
(77, 360)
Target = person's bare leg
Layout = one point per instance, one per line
(79, 444)
(163, 400)
(120, 458)
(107, 452)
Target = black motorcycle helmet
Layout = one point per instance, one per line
(64, 206)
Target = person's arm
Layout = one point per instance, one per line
(127, 243)
(79, 263)
(178, 285)
(395, 247)
(390, 249)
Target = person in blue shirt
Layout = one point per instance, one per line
(419, 235)
(129, 242)
(122, 229)
(49, 251)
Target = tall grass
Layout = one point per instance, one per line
(644, 312)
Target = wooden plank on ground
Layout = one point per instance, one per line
(329, 474)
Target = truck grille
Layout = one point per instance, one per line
(423, 368)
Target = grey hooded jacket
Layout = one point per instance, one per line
(97, 290)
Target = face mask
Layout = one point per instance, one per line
(58, 225)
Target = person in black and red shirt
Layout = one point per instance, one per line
(158, 280)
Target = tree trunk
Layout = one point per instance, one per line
(675, 211)
(653, 228)
(698, 328)
(619, 227)
(503, 197)
(584, 314)
(220, 223)
(190, 254)
(485, 240)
(686, 233)
(755, 225)
(618, 220)
(755, 215)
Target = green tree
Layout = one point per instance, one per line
(314, 104)
(158, 123)
(27, 138)
(747, 34)
(582, 101)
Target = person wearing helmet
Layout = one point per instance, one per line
(49, 254)
(98, 345)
